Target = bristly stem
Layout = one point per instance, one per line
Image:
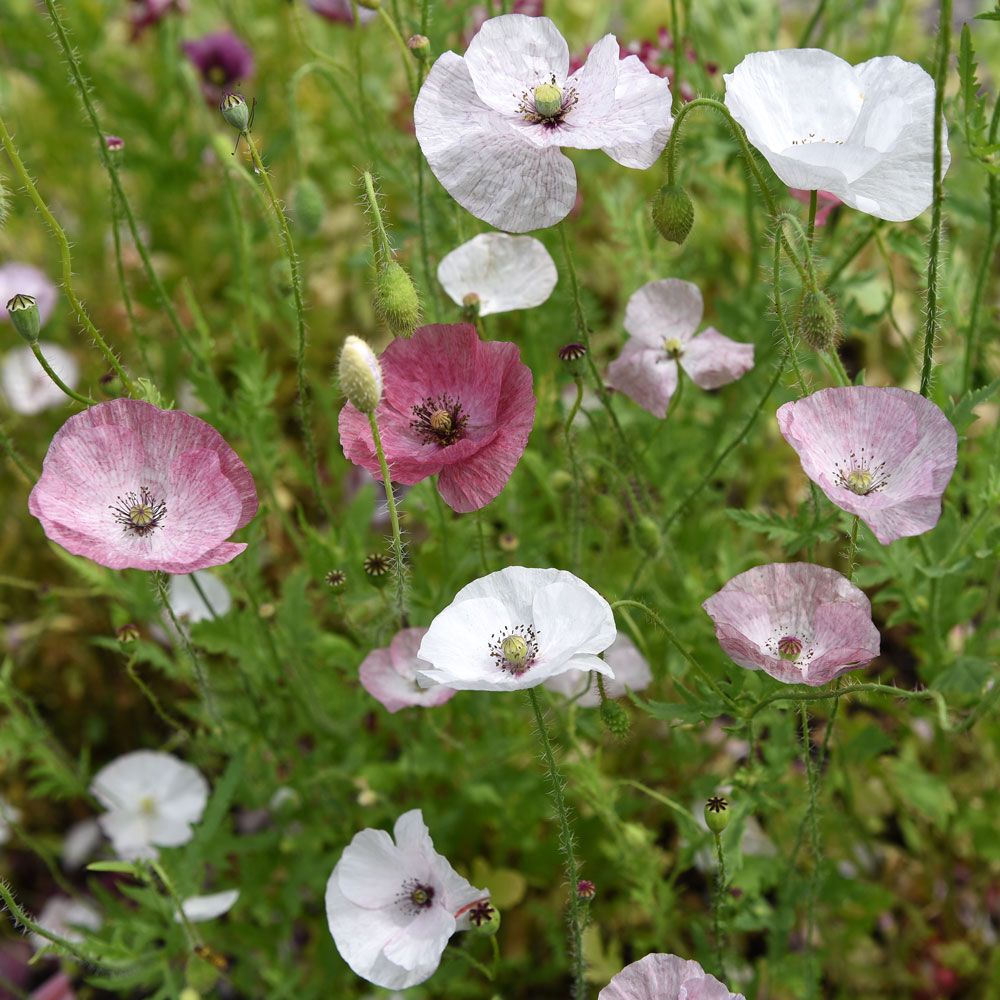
(7, 444)
(407, 55)
(720, 900)
(399, 567)
(59, 383)
(566, 846)
(304, 401)
(811, 225)
(576, 523)
(934, 251)
(66, 259)
(675, 30)
(807, 759)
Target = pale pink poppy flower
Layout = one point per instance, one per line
(885, 454)
(491, 123)
(66, 918)
(57, 987)
(453, 406)
(340, 10)
(825, 202)
(662, 318)
(131, 486)
(392, 905)
(666, 977)
(632, 673)
(390, 674)
(23, 279)
(798, 622)
(26, 386)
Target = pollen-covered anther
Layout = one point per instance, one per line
(514, 650)
(439, 421)
(139, 514)
(673, 347)
(861, 474)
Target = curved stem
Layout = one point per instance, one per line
(399, 567)
(813, 21)
(566, 846)
(576, 522)
(401, 45)
(934, 250)
(59, 383)
(7, 444)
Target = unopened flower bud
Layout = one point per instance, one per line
(23, 312)
(360, 375)
(420, 46)
(673, 213)
(616, 720)
(336, 580)
(308, 206)
(648, 533)
(470, 307)
(607, 510)
(127, 633)
(717, 814)
(507, 541)
(817, 323)
(484, 918)
(396, 299)
(115, 146)
(586, 889)
(377, 566)
(236, 111)
(560, 480)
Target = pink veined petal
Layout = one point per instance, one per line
(511, 55)
(482, 161)
(665, 977)
(662, 310)
(423, 941)
(713, 360)
(639, 126)
(646, 376)
(847, 638)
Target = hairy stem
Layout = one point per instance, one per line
(399, 567)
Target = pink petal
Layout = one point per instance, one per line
(646, 376)
(713, 360)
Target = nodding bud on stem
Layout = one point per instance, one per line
(420, 46)
(236, 111)
(308, 206)
(616, 720)
(360, 375)
(717, 814)
(396, 299)
(817, 323)
(648, 533)
(23, 312)
(673, 213)
(115, 146)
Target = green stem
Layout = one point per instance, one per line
(60, 384)
(150, 696)
(815, 842)
(860, 242)
(21, 918)
(481, 534)
(720, 899)
(399, 567)
(194, 938)
(7, 444)
(934, 250)
(813, 203)
(566, 845)
(66, 259)
(304, 401)
(813, 21)
(576, 513)
(407, 55)
(134, 328)
(675, 29)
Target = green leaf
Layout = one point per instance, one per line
(963, 413)
(792, 533)
(122, 867)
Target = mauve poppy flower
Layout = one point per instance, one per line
(491, 124)
(390, 674)
(453, 406)
(662, 318)
(145, 13)
(632, 673)
(57, 987)
(864, 133)
(131, 486)
(392, 906)
(884, 454)
(23, 279)
(502, 272)
(666, 977)
(798, 622)
(26, 386)
(222, 60)
(340, 10)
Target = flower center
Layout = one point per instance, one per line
(217, 75)
(147, 806)
(547, 104)
(415, 896)
(791, 643)
(861, 474)
(514, 650)
(139, 514)
(439, 421)
(789, 647)
(673, 347)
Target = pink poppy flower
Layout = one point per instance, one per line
(825, 203)
(884, 454)
(390, 674)
(23, 279)
(800, 623)
(340, 10)
(222, 60)
(453, 406)
(661, 318)
(131, 486)
(145, 13)
(666, 977)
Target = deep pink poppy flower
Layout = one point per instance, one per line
(131, 486)
(222, 60)
(662, 318)
(798, 622)
(666, 977)
(825, 203)
(883, 454)
(390, 674)
(145, 13)
(453, 406)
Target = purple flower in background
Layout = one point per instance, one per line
(883, 454)
(340, 10)
(666, 977)
(661, 318)
(222, 59)
(480, 15)
(390, 674)
(145, 13)
(800, 623)
(23, 279)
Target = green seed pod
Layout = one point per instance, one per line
(561, 480)
(308, 206)
(396, 299)
(616, 720)
(817, 322)
(23, 312)
(236, 111)
(360, 374)
(717, 814)
(484, 919)
(607, 510)
(377, 567)
(673, 213)
(648, 533)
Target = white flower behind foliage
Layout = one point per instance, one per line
(26, 387)
(198, 909)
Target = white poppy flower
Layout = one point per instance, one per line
(24, 279)
(27, 388)
(8, 814)
(190, 606)
(64, 917)
(81, 841)
(502, 272)
(864, 133)
(517, 628)
(491, 123)
(151, 799)
(392, 906)
(198, 909)
(632, 673)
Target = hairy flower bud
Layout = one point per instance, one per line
(673, 213)
(236, 111)
(360, 374)
(586, 889)
(115, 146)
(308, 206)
(717, 814)
(420, 46)
(817, 322)
(396, 299)
(24, 315)
(648, 533)
(615, 718)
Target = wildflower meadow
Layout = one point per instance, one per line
(499, 499)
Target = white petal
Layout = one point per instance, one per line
(201, 908)
(190, 606)
(27, 388)
(372, 870)
(572, 618)
(423, 941)
(506, 272)
(457, 644)
(662, 310)
(638, 127)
